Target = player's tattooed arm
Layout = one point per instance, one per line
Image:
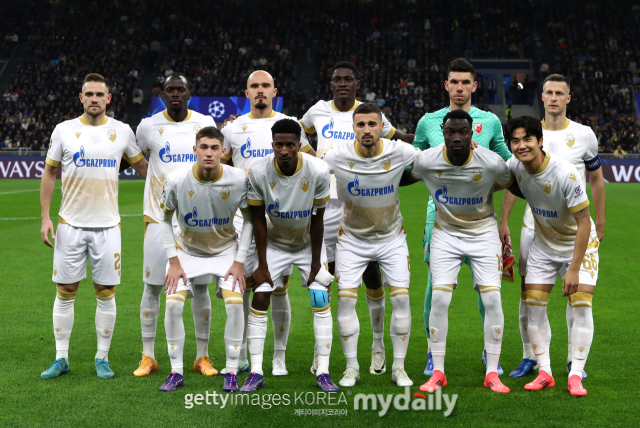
(47, 183)
(261, 274)
(572, 277)
(317, 234)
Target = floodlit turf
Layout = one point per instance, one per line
(80, 399)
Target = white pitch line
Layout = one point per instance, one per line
(38, 218)
(58, 188)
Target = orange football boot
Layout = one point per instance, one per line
(147, 365)
(544, 380)
(575, 386)
(493, 382)
(204, 366)
(438, 380)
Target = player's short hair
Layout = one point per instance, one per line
(179, 76)
(367, 108)
(461, 65)
(350, 66)
(532, 127)
(286, 126)
(458, 114)
(95, 77)
(557, 78)
(210, 132)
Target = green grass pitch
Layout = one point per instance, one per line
(81, 399)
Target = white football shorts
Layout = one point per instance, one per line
(353, 256)
(199, 269)
(332, 215)
(545, 268)
(526, 239)
(74, 244)
(448, 252)
(154, 267)
(280, 262)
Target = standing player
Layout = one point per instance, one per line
(89, 149)
(291, 189)
(465, 226)
(167, 137)
(204, 198)
(487, 132)
(247, 139)
(333, 123)
(368, 173)
(577, 144)
(566, 246)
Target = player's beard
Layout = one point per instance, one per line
(94, 113)
(373, 143)
(460, 104)
(261, 105)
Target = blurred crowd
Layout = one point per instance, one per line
(402, 49)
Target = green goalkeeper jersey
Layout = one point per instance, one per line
(487, 131)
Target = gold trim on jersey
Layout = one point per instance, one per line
(166, 116)
(356, 104)
(52, 162)
(199, 180)
(378, 153)
(255, 203)
(86, 122)
(565, 126)
(321, 201)
(391, 133)
(311, 130)
(579, 207)
(62, 221)
(148, 219)
(228, 156)
(298, 168)
(446, 158)
(251, 116)
(134, 159)
(545, 163)
(510, 182)
(306, 148)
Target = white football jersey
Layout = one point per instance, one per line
(248, 138)
(90, 158)
(205, 209)
(289, 201)
(334, 127)
(555, 192)
(577, 144)
(369, 188)
(169, 145)
(463, 195)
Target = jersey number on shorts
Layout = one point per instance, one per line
(116, 265)
(589, 262)
(499, 263)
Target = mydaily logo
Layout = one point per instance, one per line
(382, 403)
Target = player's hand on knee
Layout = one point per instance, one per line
(261, 276)
(237, 272)
(45, 230)
(174, 274)
(570, 282)
(315, 268)
(503, 231)
(230, 119)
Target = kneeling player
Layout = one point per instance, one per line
(293, 189)
(462, 185)
(205, 198)
(368, 173)
(566, 246)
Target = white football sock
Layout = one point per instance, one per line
(246, 309)
(105, 319)
(233, 329)
(348, 326)
(523, 322)
(569, 318)
(439, 323)
(174, 328)
(201, 309)
(582, 331)
(539, 328)
(281, 320)
(63, 316)
(400, 328)
(149, 312)
(323, 332)
(375, 302)
(493, 325)
(256, 335)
